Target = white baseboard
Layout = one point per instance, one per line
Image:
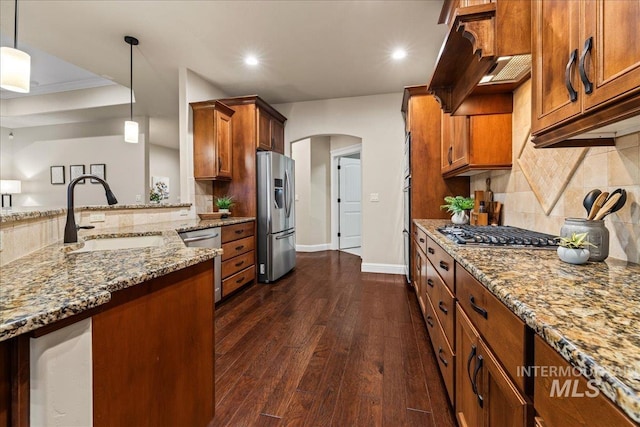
(368, 267)
(313, 248)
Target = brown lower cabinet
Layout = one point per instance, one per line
(238, 257)
(485, 395)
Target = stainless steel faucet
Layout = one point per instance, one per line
(70, 229)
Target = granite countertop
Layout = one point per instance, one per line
(589, 313)
(24, 214)
(53, 283)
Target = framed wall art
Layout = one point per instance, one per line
(57, 175)
(99, 170)
(75, 171)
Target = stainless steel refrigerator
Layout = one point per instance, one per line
(276, 216)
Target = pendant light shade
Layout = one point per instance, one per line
(131, 127)
(15, 65)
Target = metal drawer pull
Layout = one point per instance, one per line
(444, 266)
(481, 311)
(431, 251)
(238, 264)
(573, 95)
(430, 321)
(475, 380)
(239, 248)
(430, 282)
(588, 86)
(422, 240)
(442, 359)
(472, 354)
(199, 238)
(239, 231)
(240, 280)
(442, 307)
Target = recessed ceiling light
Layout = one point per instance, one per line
(251, 60)
(399, 54)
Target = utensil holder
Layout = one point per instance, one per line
(598, 235)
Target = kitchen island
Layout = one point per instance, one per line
(589, 314)
(150, 312)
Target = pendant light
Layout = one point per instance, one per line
(15, 65)
(131, 127)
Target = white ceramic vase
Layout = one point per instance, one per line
(573, 256)
(223, 211)
(460, 218)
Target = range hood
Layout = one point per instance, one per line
(487, 50)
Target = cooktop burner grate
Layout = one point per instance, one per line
(503, 236)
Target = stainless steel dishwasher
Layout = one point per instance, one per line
(207, 238)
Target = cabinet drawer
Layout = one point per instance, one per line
(443, 302)
(234, 282)
(442, 261)
(237, 231)
(238, 247)
(443, 353)
(238, 263)
(503, 331)
(421, 238)
(563, 409)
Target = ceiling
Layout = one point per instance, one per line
(308, 50)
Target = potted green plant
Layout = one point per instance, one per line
(458, 206)
(574, 249)
(224, 203)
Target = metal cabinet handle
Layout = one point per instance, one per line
(430, 282)
(475, 380)
(588, 86)
(442, 307)
(238, 264)
(239, 248)
(431, 251)
(573, 95)
(449, 155)
(430, 321)
(442, 359)
(240, 280)
(481, 311)
(219, 163)
(239, 231)
(472, 354)
(444, 266)
(422, 240)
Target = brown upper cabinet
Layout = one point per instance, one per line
(487, 50)
(479, 138)
(586, 68)
(212, 140)
(264, 124)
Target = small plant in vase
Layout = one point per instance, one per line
(458, 206)
(224, 203)
(574, 249)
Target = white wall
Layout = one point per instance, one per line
(164, 161)
(301, 153)
(193, 88)
(34, 150)
(378, 122)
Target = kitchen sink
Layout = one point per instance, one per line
(115, 243)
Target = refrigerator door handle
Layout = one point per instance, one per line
(287, 196)
(284, 236)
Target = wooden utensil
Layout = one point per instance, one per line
(589, 199)
(606, 208)
(600, 200)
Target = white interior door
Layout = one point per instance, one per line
(350, 193)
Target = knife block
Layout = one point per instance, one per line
(477, 218)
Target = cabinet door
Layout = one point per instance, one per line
(455, 141)
(264, 130)
(277, 135)
(501, 402)
(556, 39)
(446, 138)
(467, 407)
(223, 145)
(420, 277)
(612, 65)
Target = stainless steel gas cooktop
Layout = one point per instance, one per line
(500, 236)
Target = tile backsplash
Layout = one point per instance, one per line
(606, 168)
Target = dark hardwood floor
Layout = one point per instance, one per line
(326, 345)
